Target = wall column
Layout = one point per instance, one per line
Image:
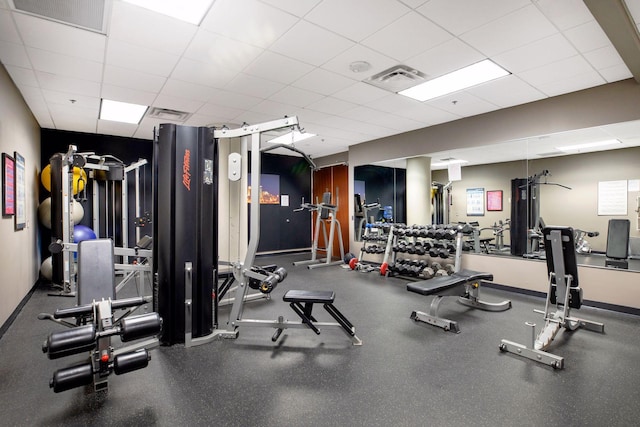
(419, 190)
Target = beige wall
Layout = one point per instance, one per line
(19, 258)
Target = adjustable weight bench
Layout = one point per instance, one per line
(447, 285)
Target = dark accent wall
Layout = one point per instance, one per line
(386, 185)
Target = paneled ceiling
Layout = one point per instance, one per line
(257, 60)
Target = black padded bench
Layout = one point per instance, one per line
(446, 284)
(302, 303)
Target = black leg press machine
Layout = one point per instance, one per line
(442, 286)
(96, 322)
(186, 245)
(563, 295)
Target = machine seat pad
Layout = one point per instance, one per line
(322, 297)
(438, 284)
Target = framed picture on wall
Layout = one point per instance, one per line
(475, 201)
(20, 192)
(494, 200)
(8, 185)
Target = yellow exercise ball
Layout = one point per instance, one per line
(79, 178)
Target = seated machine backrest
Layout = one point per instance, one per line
(96, 275)
(618, 238)
(568, 255)
(326, 200)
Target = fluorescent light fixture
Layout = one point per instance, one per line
(121, 111)
(291, 137)
(191, 11)
(587, 145)
(448, 162)
(463, 78)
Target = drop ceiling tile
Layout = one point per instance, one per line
(60, 38)
(248, 21)
(427, 114)
(146, 128)
(360, 93)
(393, 102)
(311, 44)
(252, 117)
(74, 123)
(295, 7)
(465, 15)
(183, 89)
(533, 55)
(295, 96)
(560, 70)
(507, 92)
(356, 19)
(219, 112)
(463, 104)
(390, 121)
(573, 83)
(278, 68)
(43, 118)
(71, 102)
(331, 105)
(350, 125)
(8, 32)
(125, 94)
(234, 100)
(132, 79)
(587, 37)
(275, 109)
(22, 76)
(177, 103)
(604, 57)
(143, 59)
(109, 127)
(205, 121)
(253, 86)
(414, 3)
(519, 28)
(409, 36)
(341, 63)
(221, 51)
(33, 97)
(615, 73)
(143, 27)
(14, 54)
(447, 57)
(307, 116)
(323, 81)
(66, 66)
(202, 73)
(68, 84)
(565, 14)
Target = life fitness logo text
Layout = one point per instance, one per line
(186, 169)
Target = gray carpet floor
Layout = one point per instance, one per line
(405, 373)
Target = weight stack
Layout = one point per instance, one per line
(185, 228)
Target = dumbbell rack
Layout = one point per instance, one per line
(431, 245)
(374, 235)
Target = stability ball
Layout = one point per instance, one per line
(77, 212)
(44, 212)
(46, 269)
(81, 233)
(79, 178)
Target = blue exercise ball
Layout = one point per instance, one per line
(82, 232)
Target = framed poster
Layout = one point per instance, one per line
(8, 185)
(494, 200)
(475, 201)
(20, 192)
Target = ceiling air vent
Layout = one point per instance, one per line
(87, 14)
(397, 78)
(167, 114)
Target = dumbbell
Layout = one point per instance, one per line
(441, 273)
(411, 248)
(440, 233)
(431, 233)
(443, 253)
(433, 252)
(450, 247)
(427, 273)
(420, 249)
(450, 268)
(436, 266)
(450, 234)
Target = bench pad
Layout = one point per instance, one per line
(438, 284)
(322, 297)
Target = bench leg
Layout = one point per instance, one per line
(433, 319)
(340, 318)
(305, 315)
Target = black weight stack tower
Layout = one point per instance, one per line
(519, 226)
(185, 228)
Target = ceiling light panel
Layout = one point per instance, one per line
(291, 137)
(121, 111)
(480, 72)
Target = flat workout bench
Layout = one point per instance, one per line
(301, 302)
(446, 284)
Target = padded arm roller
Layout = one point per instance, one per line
(136, 327)
(70, 341)
(128, 362)
(71, 377)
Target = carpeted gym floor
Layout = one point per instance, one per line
(405, 373)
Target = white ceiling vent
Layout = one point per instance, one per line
(397, 78)
(87, 14)
(167, 114)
